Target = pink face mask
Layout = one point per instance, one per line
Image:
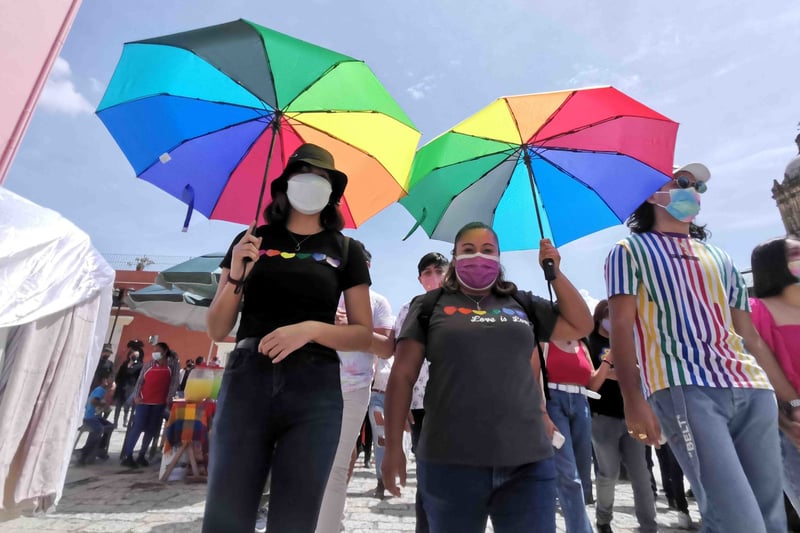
(794, 268)
(477, 271)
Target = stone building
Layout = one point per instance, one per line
(787, 194)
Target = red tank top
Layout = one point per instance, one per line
(568, 367)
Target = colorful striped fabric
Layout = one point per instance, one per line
(684, 332)
(188, 421)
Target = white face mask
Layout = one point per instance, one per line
(606, 324)
(156, 356)
(308, 193)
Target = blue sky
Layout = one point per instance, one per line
(726, 70)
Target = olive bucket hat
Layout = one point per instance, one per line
(317, 156)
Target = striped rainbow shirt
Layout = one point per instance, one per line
(684, 332)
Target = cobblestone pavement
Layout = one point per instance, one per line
(109, 498)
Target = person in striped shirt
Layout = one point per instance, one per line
(679, 310)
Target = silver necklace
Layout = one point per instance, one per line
(476, 302)
(301, 241)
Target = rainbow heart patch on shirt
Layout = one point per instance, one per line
(319, 257)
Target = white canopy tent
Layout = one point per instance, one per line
(55, 301)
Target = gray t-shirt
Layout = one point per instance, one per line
(482, 404)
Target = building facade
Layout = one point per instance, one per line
(787, 194)
(126, 325)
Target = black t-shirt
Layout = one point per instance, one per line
(482, 404)
(287, 286)
(610, 402)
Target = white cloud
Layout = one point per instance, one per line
(421, 89)
(593, 76)
(589, 299)
(59, 93)
(61, 69)
(96, 85)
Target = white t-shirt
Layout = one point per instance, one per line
(383, 367)
(418, 393)
(357, 368)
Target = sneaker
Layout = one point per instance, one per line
(129, 462)
(261, 520)
(604, 528)
(684, 520)
(141, 461)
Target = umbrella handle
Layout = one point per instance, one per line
(549, 267)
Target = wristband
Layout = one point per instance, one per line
(237, 283)
(609, 363)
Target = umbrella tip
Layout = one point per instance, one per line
(417, 224)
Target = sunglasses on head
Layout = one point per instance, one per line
(684, 183)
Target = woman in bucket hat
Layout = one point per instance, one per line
(280, 404)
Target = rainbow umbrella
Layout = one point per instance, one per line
(204, 114)
(559, 165)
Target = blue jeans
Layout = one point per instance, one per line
(791, 471)
(147, 419)
(459, 499)
(726, 441)
(378, 432)
(569, 411)
(283, 419)
(613, 446)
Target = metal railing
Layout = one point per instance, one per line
(150, 263)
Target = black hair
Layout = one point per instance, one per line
(600, 312)
(135, 344)
(770, 268)
(277, 211)
(644, 218)
(431, 258)
(450, 283)
(166, 349)
(199, 360)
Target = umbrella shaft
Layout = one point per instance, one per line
(275, 126)
(527, 159)
(548, 265)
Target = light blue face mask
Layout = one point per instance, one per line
(684, 204)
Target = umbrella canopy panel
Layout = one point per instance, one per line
(206, 111)
(169, 306)
(585, 158)
(198, 276)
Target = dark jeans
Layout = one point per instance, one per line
(283, 419)
(672, 478)
(99, 436)
(459, 499)
(416, 431)
(146, 419)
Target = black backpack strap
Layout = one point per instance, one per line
(345, 251)
(427, 305)
(527, 305)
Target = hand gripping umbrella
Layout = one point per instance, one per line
(558, 165)
(202, 114)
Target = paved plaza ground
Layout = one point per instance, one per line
(109, 498)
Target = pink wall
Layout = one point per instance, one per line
(31, 35)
